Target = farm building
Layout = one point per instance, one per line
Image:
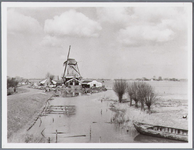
(47, 82)
(89, 84)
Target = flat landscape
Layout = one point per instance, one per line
(168, 110)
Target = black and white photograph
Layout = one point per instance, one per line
(96, 75)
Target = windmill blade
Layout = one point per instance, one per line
(75, 69)
(66, 61)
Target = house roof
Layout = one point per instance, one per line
(86, 81)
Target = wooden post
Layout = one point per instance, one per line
(181, 132)
(173, 131)
(49, 140)
(90, 133)
(56, 136)
(100, 139)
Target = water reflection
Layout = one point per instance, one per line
(70, 93)
(149, 139)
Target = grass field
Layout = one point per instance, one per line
(22, 107)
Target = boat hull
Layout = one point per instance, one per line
(163, 132)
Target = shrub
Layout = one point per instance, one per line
(12, 83)
(119, 88)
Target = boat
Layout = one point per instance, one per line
(162, 131)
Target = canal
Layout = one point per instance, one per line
(86, 119)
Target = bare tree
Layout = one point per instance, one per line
(50, 77)
(134, 88)
(150, 97)
(119, 88)
(130, 92)
(142, 93)
(47, 75)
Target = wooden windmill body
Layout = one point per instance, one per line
(71, 75)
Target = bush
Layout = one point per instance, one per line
(12, 83)
(119, 88)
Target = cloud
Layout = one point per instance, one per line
(19, 23)
(52, 41)
(139, 35)
(72, 23)
(153, 25)
(118, 15)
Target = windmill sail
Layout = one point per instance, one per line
(67, 60)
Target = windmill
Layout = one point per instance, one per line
(71, 73)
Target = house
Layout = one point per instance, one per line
(85, 84)
(89, 84)
(47, 82)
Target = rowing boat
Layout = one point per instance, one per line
(162, 131)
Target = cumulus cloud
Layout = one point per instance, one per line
(19, 23)
(72, 23)
(138, 35)
(150, 25)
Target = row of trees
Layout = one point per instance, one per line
(12, 82)
(137, 91)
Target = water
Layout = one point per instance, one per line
(86, 119)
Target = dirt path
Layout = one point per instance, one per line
(29, 91)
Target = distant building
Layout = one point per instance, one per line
(89, 84)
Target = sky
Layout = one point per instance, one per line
(107, 42)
